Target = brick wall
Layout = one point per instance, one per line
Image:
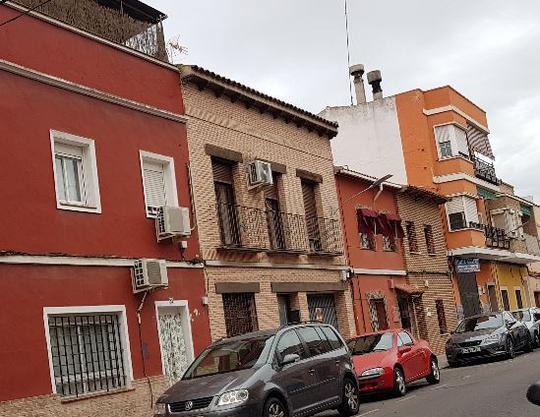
(134, 403)
(429, 272)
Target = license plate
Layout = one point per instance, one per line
(470, 349)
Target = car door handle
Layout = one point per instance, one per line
(311, 371)
(338, 361)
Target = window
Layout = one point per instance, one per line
(405, 339)
(389, 244)
(227, 213)
(159, 182)
(240, 313)
(316, 345)
(290, 344)
(451, 141)
(428, 236)
(75, 173)
(505, 299)
(519, 300)
(367, 228)
(441, 316)
(462, 211)
(333, 338)
(89, 351)
(312, 221)
(410, 230)
(377, 309)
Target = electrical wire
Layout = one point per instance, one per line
(348, 51)
(43, 3)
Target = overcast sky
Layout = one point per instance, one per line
(489, 50)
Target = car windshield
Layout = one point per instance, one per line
(480, 323)
(231, 356)
(372, 343)
(523, 315)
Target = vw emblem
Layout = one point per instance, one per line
(189, 405)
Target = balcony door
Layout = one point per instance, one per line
(312, 222)
(226, 209)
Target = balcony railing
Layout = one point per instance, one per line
(132, 24)
(486, 171)
(495, 237)
(255, 229)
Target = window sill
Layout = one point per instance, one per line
(415, 253)
(465, 229)
(330, 254)
(78, 207)
(67, 400)
(432, 254)
(449, 158)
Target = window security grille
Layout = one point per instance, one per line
(87, 354)
(240, 313)
(410, 229)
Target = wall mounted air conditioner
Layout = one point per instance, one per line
(148, 274)
(172, 222)
(260, 173)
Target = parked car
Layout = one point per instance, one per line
(487, 335)
(297, 369)
(390, 359)
(531, 318)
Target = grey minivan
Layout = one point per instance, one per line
(295, 370)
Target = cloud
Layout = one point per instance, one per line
(295, 50)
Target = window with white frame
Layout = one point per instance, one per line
(75, 173)
(88, 350)
(451, 141)
(461, 212)
(159, 182)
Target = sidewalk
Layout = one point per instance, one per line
(443, 362)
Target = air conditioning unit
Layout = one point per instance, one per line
(260, 173)
(172, 222)
(148, 274)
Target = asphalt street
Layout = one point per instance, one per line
(490, 389)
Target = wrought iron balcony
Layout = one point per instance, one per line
(131, 22)
(495, 237)
(486, 171)
(248, 228)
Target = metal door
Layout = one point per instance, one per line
(468, 291)
(492, 292)
(325, 304)
(174, 352)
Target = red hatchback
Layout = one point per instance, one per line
(390, 359)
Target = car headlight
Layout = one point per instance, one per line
(492, 338)
(373, 372)
(238, 396)
(160, 408)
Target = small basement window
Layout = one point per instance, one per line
(75, 173)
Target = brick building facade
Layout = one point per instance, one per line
(433, 310)
(273, 252)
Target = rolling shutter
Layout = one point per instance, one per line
(222, 171)
(154, 186)
(471, 211)
(442, 133)
(460, 137)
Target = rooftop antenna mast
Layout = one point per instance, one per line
(348, 50)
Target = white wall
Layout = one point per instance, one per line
(369, 140)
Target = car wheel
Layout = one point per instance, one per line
(351, 399)
(510, 351)
(529, 344)
(274, 408)
(435, 375)
(400, 389)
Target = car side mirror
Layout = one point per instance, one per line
(533, 393)
(290, 358)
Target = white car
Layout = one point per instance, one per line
(531, 318)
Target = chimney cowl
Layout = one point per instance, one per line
(375, 79)
(357, 70)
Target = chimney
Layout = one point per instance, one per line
(357, 71)
(375, 79)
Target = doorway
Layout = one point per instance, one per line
(492, 294)
(175, 338)
(468, 291)
(379, 318)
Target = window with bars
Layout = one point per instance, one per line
(240, 313)
(75, 172)
(159, 182)
(441, 316)
(428, 236)
(451, 141)
(87, 353)
(410, 230)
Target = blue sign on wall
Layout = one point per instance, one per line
(466, 266)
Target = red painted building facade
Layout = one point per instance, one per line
(93, 140)
(372, 233)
